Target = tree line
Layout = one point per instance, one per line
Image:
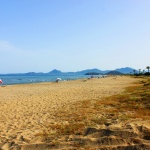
(142, 72)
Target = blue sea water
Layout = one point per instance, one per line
(26, 79)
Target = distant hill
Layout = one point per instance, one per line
(55, 72)
(89, 71)
(114, 73)
(92, 73)
(106, 71)
(125, 70)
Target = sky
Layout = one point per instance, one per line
(73, 35)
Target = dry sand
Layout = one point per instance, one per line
(26, 110)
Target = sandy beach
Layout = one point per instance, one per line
(27, 110)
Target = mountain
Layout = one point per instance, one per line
(92, 73)
(125, 70)
(55, 72)
(106, 71)
(114, 73)
(89, 70)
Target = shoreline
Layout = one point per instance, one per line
(37, 79)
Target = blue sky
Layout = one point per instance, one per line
(72, 35)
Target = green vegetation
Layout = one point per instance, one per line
(142, 73)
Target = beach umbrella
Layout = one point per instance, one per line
(58, 79)
(1, 81)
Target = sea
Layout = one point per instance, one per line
(29, 79)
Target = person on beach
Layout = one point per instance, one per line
(1, 81)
